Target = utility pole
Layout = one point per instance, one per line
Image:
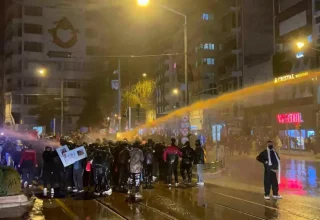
(186, 94)
(119, 95)
(61, 99)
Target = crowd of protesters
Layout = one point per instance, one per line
(109, 165)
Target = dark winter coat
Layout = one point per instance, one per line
(124, 156)
(188, 155)
(263, 158)
(199, 155)
(48, 160)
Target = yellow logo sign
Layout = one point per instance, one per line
(63, 24)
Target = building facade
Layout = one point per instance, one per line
(48, 49)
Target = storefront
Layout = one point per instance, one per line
(294, 126)
(258, 121)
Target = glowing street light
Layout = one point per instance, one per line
(143, 3)
(115, 115)
(144, 75)
(42, 71)
(300, 44)
(175, 91)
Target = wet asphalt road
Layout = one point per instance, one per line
(209, 202)
(300, 191)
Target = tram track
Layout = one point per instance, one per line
(118, 213)
(252, 203)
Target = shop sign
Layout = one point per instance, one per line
(290, 118)
(290, 77)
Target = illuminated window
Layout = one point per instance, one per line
(207, 17)
(208, 61)
(208, 46)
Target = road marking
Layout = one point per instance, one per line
(68, 211)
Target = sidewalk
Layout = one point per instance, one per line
(290, 154)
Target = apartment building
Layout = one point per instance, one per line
(48, 50)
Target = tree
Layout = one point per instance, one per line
(140, 93)
(47, 108)
(97, 101)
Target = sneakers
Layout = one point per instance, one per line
(200, 184)
(45, 191)
(81, 191)
(176, 184)
(277, 197)
(154, 178)
(138, 195)
(25, 185)
(267, 197)
(30, 186)
(69, 188)
(52, 190)
(75, 190)
(108, 192)
(169, 184)
(129, 192)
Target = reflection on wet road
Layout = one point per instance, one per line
(299, 187)
(209, 202)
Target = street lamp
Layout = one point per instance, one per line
(144, 75)
(300, 44)
(186, 94)
(175, 91)
(42, 72)
(143, 3)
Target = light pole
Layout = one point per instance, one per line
(144, 3)
(42, 72)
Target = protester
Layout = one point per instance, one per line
(271, 161)
(123, 166)
(28, 163)
(78, 169)
(136, 165)
(171, 156)
(48, 169)
(199, 161)
(148, 166)
(188, 156)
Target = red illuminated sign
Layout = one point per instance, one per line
(290, 118)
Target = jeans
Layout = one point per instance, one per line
(78, 178)
(172, 169)
(200, 172)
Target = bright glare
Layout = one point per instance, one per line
(300, 44)
(2, 133)
(42, 71)
(143, 2)
(144, 75)
(175, 91)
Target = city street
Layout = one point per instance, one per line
(229, 201)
